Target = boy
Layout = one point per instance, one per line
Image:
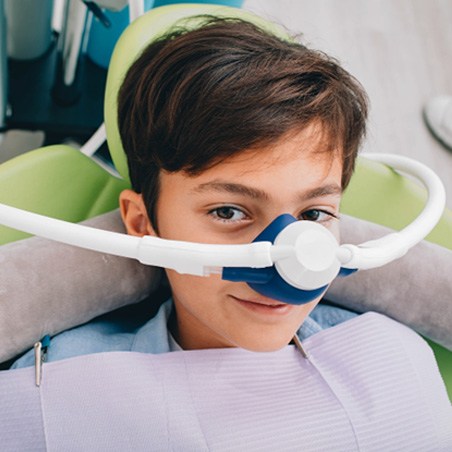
(224, 144)
(225, 128)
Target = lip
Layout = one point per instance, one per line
(266, 307)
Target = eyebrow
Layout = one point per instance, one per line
(233, 188)
(324, 190)
(258, 194)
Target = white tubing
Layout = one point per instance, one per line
(436, 200)
(185, 257)
(202, 259)
(69, 233)
(376, 253)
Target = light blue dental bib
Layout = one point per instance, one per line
(369, 384)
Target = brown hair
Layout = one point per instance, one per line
(194, 98)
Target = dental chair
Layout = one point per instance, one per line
(61, 182)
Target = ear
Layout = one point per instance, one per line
(134, 214)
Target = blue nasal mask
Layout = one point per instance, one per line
(274, 282)
(290, 261)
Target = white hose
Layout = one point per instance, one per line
(376, 253)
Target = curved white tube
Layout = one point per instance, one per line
(69, 233)
(185, 257)
(376, 253)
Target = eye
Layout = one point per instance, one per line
(317, 215)
(228, 214)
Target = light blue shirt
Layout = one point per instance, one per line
(108, 333)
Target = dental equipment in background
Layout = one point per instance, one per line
(65, 90)
(291, 261)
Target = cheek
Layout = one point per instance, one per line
(195, 292)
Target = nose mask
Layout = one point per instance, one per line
(290, 261)
(306, 264)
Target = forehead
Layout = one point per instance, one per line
(310, 147)
(297, 162)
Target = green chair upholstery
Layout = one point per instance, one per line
(57, 181)
(61, 182)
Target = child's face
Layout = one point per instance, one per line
(232, 203)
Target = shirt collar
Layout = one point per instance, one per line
(152, 337)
